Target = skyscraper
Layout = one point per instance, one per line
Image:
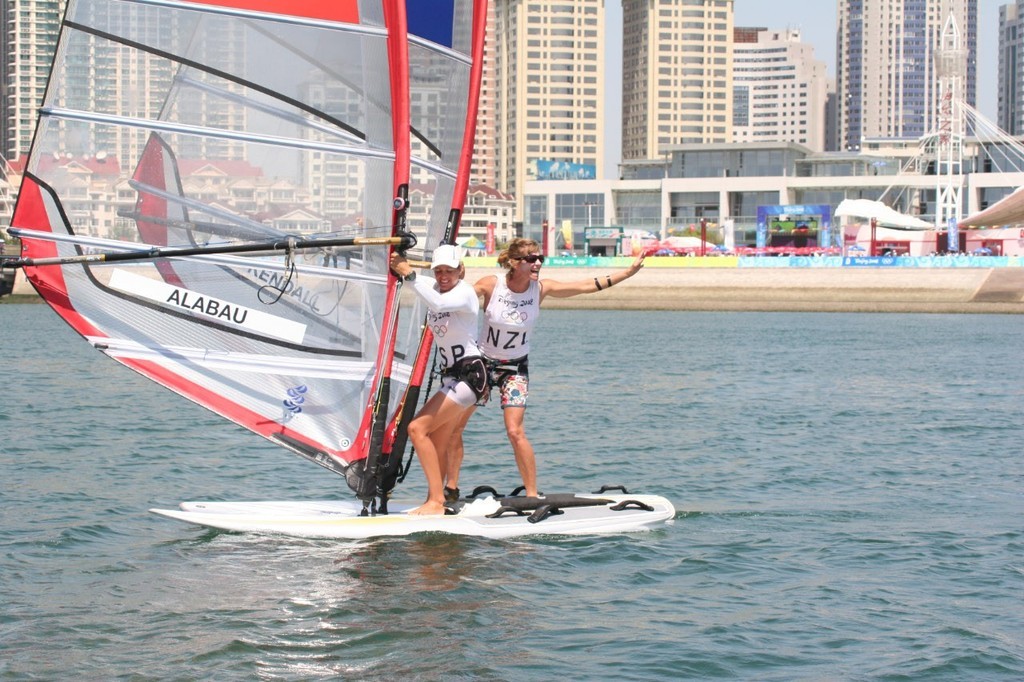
(1010, 89)
(550, 66)
(677, 79)
(485, 143)
(779, 89)
(886, 65)
(30, 29)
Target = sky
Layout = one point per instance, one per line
(816, 20)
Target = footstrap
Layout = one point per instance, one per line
(631, 504)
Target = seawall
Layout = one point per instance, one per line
(915, 290)
(770, 289)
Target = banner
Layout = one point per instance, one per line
(953, 244)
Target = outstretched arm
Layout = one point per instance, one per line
(551, 287)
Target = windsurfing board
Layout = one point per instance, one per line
(482, 517)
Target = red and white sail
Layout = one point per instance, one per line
(227, 122)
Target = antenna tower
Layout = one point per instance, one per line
(951, 68)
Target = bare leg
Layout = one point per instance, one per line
(430, 432)
(456, 451)
(525, 460)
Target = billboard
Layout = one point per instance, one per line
(563, 170)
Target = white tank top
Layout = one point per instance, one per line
(452, 317)
(508, 321)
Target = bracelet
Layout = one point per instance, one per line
(410, 277)
(597, 284)
(609, 278)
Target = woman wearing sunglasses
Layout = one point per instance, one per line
(511, 309)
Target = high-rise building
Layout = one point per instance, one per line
(1010, 88)
(485, 143)
(550, 65)
(886, 65)
(677, 76)
(779, 89)
(122, 82)
(30, 29)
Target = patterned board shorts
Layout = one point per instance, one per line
(512, 379)
(515, 388)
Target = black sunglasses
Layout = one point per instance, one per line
(533, 258)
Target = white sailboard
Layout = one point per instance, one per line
(246, 189)
(486, 516)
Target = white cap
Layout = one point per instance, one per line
(446, 254)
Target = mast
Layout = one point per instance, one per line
(468, 19)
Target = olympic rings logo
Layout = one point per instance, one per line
(296, 397)
(439, 329)
(514, 316)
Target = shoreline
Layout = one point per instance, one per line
(906, 290)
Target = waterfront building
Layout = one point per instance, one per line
(779, 89)
(488, 213)
(1010, 83)
(886, 66)
(550, 66)
(725, 184)
(677, 74)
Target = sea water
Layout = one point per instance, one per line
(849, 495)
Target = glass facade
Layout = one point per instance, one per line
(737, 162)
(741, 105)
(535, 212)
(743, 205)
(998, 158)
(638, 210)
(644, 171)
(584, 210)
(847, 167)
(688, 208)
(990, 195)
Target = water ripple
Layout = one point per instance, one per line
(846, 509)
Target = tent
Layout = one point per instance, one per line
(686, 243)
(1007, 211)
(885, 216)
(472, 245)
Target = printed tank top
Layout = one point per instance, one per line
(508, 321)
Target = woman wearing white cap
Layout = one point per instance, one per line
(452, 312)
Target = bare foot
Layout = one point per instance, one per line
(428, 509)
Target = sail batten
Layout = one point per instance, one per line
(185, 62)
(148, 124)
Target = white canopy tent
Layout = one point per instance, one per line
(883, 215)
(1007, 211)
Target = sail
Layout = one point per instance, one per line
(216, 129)
(446, 52)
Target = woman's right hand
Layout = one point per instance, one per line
(400, 266)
